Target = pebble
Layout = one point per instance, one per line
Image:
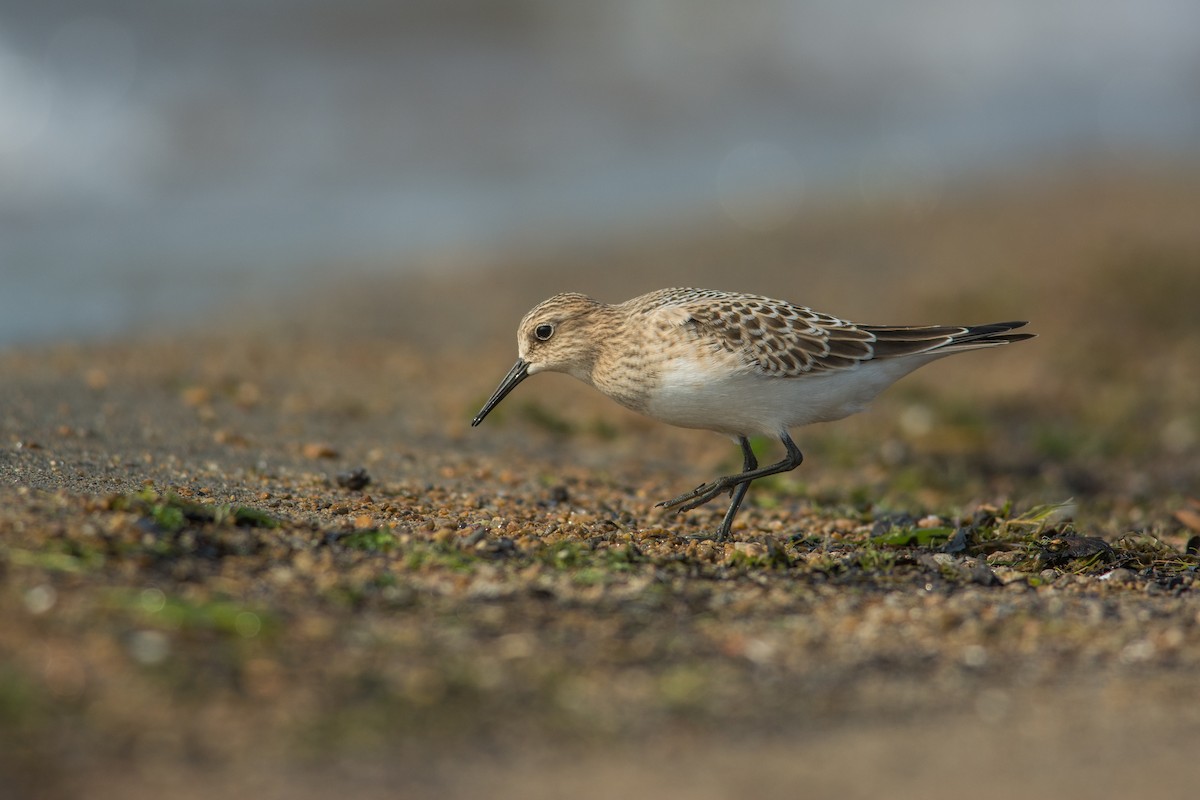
(355, 479)
(1118, 575)
(316, 450)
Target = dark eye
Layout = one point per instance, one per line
(543, 332)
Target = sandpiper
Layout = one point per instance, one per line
(738, 364)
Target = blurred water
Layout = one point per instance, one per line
(157, 157)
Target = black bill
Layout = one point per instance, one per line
(518, 373)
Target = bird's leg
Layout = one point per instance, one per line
(739, 483)
(749, 463)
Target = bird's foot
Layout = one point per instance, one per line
(704, 493)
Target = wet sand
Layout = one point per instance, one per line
(199, 597)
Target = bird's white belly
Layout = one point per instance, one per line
(745, 402)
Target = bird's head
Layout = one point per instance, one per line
(557, 335)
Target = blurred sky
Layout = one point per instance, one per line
(157, 155)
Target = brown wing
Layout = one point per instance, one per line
(782, 339)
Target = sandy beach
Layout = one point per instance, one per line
(267, 554)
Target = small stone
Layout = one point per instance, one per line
(1118, 575)
(983, 575)
(1189, 517)
(196, 396)
(355, 479)
(318, 450)
(228, 437)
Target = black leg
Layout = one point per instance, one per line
(738, 483)
(749, 464)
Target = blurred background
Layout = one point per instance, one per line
(159, 158)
